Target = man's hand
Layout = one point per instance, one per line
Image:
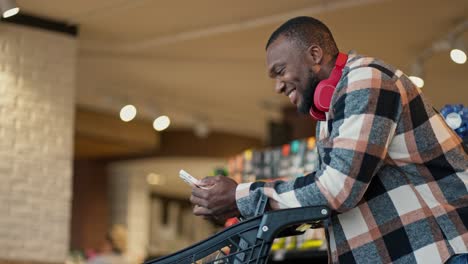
(218, 201)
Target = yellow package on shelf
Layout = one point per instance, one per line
(312, 244)
(278, 244)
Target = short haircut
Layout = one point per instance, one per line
(306, 31)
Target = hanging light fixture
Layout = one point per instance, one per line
(417, 74)
(200, 126)
(458, 52)
(8, 8)
(128, 113)
(161, 123)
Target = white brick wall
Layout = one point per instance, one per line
(37, 76)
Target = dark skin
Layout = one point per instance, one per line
(218, 202)
(297, 71)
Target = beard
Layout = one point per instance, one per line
(308, 95)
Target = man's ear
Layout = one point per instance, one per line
(314, 54)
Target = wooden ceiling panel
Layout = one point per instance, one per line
(217, 69)
(104, 135)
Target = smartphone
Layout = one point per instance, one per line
(188, 178)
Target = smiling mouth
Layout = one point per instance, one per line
(292, 90)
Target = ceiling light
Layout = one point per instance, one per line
(201, 129)
(458, 54)
(128, 113)
(161, 123)
(9, 8)
(418, 81)
(458, 50)
(417, 74)
(200, 126)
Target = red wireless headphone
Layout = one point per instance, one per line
(325, 89)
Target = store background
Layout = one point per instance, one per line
(70, 168)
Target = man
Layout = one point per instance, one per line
(394, 174)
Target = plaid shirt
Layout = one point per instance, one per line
(395, 175)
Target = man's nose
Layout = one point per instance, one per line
(279, 86)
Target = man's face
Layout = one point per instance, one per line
(286, 63)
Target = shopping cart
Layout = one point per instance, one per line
(249, 241)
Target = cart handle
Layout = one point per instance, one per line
(274, 222)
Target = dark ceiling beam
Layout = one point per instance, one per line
(44, 23)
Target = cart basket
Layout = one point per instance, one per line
(247, 242)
